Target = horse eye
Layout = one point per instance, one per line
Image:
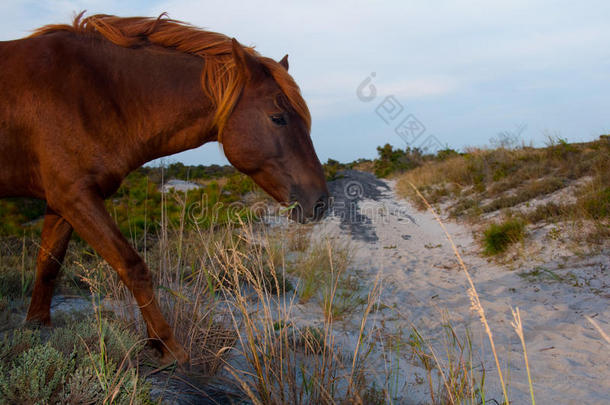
(278, 119)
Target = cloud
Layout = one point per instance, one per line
(18, 18)
(470, 68)
(416, 88)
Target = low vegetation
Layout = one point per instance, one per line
(136, 206)
(80, 361)
(498, 237)
(232, 291)
(559, 183)
(233, 288)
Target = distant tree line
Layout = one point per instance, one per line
(389, 161)
(181, 171)
(135, 205)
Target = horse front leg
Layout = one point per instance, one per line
(56, 233)
(87, 214)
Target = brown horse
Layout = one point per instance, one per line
(83, 105)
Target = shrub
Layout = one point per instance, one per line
(19, 214)
(103, 382)
(74, 364)
(331, 168)
(118, 340)
(37, 376)
(498, 237)
(525, 193)
(20, 341)
(396, 160)
(83, 387)
(446, 153)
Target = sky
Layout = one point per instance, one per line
(420, 74)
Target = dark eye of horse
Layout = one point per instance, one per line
(279, 119)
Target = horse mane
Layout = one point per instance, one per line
(222, 82)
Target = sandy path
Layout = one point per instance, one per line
(421, 278)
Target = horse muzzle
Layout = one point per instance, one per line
(311, 212)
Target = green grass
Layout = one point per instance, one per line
(322, 271)
(597, 203)
(498, 237)
(136, 206)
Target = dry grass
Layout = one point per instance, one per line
(484, 181)
(518, 326)
(283, 363)
(462, 380)
(226, 292)
(222, 291)
(286, 363)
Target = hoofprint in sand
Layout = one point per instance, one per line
(422, 286)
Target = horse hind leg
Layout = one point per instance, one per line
(56, 232)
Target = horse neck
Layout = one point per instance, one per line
(165, 110)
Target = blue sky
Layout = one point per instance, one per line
(466, 70)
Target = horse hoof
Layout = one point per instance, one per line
(38, 321)
(178, 355)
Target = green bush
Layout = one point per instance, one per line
(19, 214)
(446, 153)
(396, 160)
(83, 387)
(137, 208)
(331, 168)
(102, 379)
(137, 205)
(498, 237)
(82, 337)
(74, 364)
(37, 376)
(16, 343)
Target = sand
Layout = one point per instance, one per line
(421, 280)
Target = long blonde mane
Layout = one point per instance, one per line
(222, 82)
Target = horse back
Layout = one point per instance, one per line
(79, 106)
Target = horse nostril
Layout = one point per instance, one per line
(321, 205)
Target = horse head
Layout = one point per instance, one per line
(267, 136)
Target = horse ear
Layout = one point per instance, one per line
(284, 62)
(246, 62)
